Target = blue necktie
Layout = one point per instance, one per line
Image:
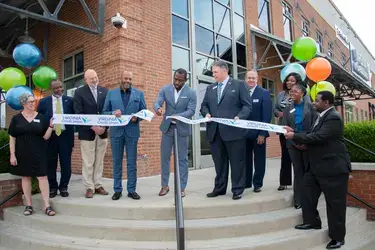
(219, 87)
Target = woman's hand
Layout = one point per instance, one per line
(51, 122)
(13, 160)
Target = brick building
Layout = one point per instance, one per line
(162, 35)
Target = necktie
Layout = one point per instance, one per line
(316, 121)
(58, 111)
(251, 93)
(94, 94)
(219, 87)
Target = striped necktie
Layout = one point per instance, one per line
(219, 87)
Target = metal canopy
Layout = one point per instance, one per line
(347, 84)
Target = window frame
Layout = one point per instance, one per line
(305, 27)
(74, 76)
(272, 92)
(330, 51)
(288, 14)
(269, 19)
(320, 43)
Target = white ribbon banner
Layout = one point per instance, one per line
(238, 124)
(101, 120)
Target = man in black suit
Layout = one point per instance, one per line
(61, 142)
(89, 99)
(328, 171)
(227, 98)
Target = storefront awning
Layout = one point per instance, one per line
(266, 46)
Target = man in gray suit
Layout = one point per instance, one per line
(227, 98)
(179, 100)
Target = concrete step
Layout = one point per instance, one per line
(18, 238)
(162, 208)
(163, 230)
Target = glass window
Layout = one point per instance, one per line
(330, 50)
(319, 41)
(73, 77)
(204, 65)
(230, 66)
(270, 86)
(204, 40)
(241, 72)
(68, 67)
(239, 28)
(348, 113)
(287, 21)
(225, 2)
(224, 48)
(222, 19)
(180, 31)
(180, 7)
(203, 13)
(79, 63)
(241, 55)
(238, 6)
(305, 27)
(180, 58)
(264, 15)
(343, 59)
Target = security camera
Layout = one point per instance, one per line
(118, 21)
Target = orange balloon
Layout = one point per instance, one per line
(38, 95)
(318, 69)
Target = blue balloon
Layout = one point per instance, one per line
(293, 68)
(14, 93)
(27, 55)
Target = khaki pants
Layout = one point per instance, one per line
(92, 162)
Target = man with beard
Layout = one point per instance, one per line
(179, 100)
(125, 100)
(61, 142)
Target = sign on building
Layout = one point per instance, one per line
(341, 36)
(359, 66)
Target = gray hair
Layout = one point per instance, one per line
(221, 64)
(24, 97)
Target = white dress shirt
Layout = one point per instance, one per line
(252, 90)
(177, 94)
(224, 84)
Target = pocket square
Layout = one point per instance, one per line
(233, 91)
(183, 96)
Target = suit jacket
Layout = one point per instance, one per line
(84, 103)
(185, 106)
(308, 120)
(261, 111)
(45, 108)
(136, 103)
(235, 101)
(327, 152)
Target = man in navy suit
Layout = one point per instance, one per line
(61, 142)
(256, 139)
(125, 100)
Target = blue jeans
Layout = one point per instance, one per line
(118, 144)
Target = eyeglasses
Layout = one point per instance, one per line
(29, 102)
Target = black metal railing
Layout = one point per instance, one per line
(180, 228)
(350, 193)
(4, 146)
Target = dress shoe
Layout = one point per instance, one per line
(64, 193)
(282, 187)
(237, 196)
(52, 193)
(335, 244)
(89, 193)
(116, 196)
(101, 191)
(134, 196)
(257, 189)
(297, 206)
(307, 227)
(214, 194)
(163, 191)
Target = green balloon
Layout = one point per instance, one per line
(42, 77)
(11, 77)
(304, 48)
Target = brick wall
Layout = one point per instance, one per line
(362, 184)
(8, 185)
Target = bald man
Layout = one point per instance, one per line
(125, 100)
(89, 99)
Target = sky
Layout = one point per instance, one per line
(361, 16)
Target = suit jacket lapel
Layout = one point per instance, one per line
(131, 97)
(321, 119)
(49, 104)
(225, 89)
(99, 98)
(292, 119)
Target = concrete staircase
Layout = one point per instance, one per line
(257, 221)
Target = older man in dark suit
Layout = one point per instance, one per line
(227, 98)
(328, 171)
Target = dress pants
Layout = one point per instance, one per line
(223, 152)
(286, 163)
(167, 142)
(92, 162)
(300, 161)
(59, 147)
(335, 190)
(255, 156)
(118, 144)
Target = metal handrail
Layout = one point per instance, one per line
(359, 146)
(10, 197)
(180, 229)
(4, 146)
(362, 201)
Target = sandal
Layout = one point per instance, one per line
(28, 210)
(49, 211)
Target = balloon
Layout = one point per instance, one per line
(318, 69)
(42, 77)
(13, 94)
(27, 55)
(322, 86)
(38, 95)
(293, 68)
(11, 77)
(304, 48)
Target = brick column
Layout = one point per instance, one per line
(8, 185)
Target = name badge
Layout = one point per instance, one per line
(256, 100)
(36, 120)
(292, 110)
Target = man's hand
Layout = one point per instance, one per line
(159, 112)
(289, 135)
(236, 118)
(134, 119)
(281, 114)
(98, 130)
(288, 129)
(261, 139)
(117, 113)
